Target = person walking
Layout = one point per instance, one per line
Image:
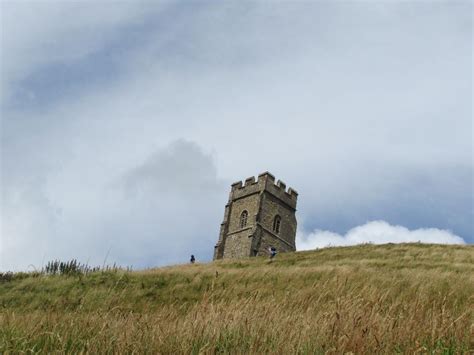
(193, 259)
(273, 252)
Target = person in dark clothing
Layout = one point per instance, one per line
(272, 251)
(193, 259)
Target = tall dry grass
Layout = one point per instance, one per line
(366, 299)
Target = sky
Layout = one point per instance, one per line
(123, 124)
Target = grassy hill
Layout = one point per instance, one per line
(363, 299)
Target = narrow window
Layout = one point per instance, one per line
(276, 224)
(243, 219)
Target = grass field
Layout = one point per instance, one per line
(396, 298)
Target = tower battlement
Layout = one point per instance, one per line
(264, 181)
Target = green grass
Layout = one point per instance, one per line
(364, 299)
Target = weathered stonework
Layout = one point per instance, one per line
(264, 203)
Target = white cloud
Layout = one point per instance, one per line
(377, 232)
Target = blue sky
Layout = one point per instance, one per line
(124, 123)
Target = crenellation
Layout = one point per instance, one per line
(281, 194)
(246, 190)
(293, 193)
(265, 182)
(250, 181)
(236, 185)
(266, 176)
(281, 185)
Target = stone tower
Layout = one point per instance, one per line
(259, 214)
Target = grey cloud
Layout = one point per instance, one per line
(170, 202)
(37, 34)
(182, 170)
(155, 213)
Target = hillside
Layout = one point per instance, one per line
(368, 298)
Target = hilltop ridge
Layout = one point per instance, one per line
(367, 298)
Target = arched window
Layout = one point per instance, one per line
(276, 224)
(243, 219)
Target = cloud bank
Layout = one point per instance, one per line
(377, 232)
(122, 126)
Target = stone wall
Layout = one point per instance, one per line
(239, 244)
(269, 240)
(249, 204)
(271, 207)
